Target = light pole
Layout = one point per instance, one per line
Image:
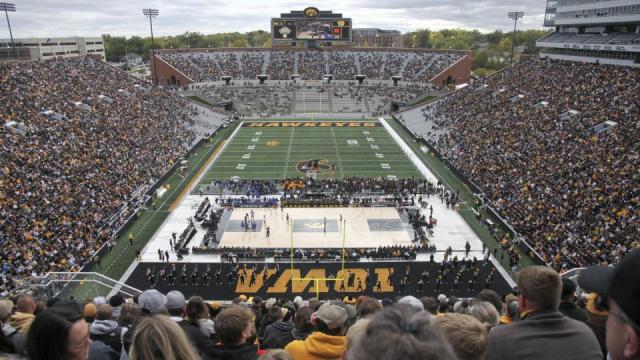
(9, 7)
(151, 13)
(514, 15)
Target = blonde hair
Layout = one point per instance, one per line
(159, 337)
(468, 337)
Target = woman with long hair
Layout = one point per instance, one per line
(159, 337)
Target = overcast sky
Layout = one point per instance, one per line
(124, 17)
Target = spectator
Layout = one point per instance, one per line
(89, 312)
(233, 327)
(129, 315)
(597, 319)
(401, 332)
(411, 301)
(23, 317)
(276, 354)
(567, 302)
(177, 309)
(467, 335)
(621, 287)
(430, 304)
(511, 311)
(486, 313)
(116, 302)
(277, 334)
(491, 297)
(17, 339)
(327, 341)
(368, 307)
(302, 326)
(105, 329)
(158, 337)
(543, 332)
(197, 314)
(59, 333)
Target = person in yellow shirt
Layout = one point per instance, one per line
(327, 341)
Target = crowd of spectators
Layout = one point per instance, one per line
(310, 64)
(554, 147)
(94, 137)
(154, 325)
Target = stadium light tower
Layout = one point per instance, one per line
(514, 15)
(151, 13)
(6, 7)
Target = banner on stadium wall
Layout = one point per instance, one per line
(378, 279)
(312, 124)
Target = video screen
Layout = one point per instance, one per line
(311, 29)
(284, 29)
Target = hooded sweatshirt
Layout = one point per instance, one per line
(22, 321)
(238, 352)
(276, 335)
(109, 332)
(317, 346)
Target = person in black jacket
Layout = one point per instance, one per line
(233, 327)
(176, 306)
(567, 305)
(277, 334)
(302, 327)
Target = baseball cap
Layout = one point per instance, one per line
(175, 300)
(152, 300)
(332, 315)
(619, 283)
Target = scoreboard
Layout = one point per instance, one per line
(311, 24)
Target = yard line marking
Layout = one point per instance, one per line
(286, 162)
(335, 144)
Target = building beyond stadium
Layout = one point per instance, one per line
(52, 48)
(606, 32)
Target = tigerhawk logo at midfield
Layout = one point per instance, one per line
(317, 166)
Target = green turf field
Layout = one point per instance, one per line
(264, 152)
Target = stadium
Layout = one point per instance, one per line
(388, 190)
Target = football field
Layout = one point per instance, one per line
(330, 149)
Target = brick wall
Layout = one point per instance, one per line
(458, 73)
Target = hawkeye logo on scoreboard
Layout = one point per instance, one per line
(312, 124)
(311, 12)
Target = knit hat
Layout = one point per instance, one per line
(89, 310)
